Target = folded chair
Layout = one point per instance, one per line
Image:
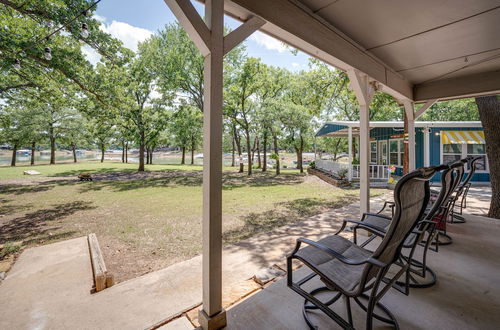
(422, 235)
(456, 217)
(353, 272)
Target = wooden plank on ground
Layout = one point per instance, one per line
(102, 278)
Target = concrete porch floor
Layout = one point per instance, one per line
(466, 296)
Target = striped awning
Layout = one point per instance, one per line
(462, 137)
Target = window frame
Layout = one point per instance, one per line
(464, 155)
(399, 152)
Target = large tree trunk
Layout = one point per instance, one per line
(52, 139)
(151, 154)
(103, 150)
(232, 153)
(489, 112)
(275, 141)
(183, 159)
(147, 155)
(264, 152)
(126, 152)
(193, 146)
(73, 147)
(123, 151)
(33, 146)
(249, 152)
(299, 151)
(141, 152)
(14, 156)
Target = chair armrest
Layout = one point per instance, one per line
(386, 203)
(375, 215)
(364, 225)
(337, 255)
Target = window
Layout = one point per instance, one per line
(454, 152)
(451, 153)
(478, 150)
(396, 152)
(373, 152)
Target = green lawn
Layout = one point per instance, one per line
(146, 221)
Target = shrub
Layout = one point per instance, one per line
(312, 164)
(8, 248)
(342, 173)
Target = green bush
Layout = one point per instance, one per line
(312, 164)
(8, 249)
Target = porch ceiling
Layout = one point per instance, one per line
(419, 50)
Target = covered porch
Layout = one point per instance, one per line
(418, 53)
(466, 295)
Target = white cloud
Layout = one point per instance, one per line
(268, 42)
(91, 54)
(99, 18)
(130, 35)
(295, 64)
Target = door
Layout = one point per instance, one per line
(383, 154)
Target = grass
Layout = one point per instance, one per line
(147, 221)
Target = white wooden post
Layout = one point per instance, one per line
(410, 115)
(427, 150)
(209, 38)
(212, 311)
(349, 140)
(364, 93)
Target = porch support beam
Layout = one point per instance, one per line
(191, 21)
(234, 38)
(427, 149)
(364, 91)
(349, 141)
(424, 108)
(410, 124)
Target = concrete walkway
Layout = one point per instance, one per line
(49, 286)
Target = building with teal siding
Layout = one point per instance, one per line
(435, 143)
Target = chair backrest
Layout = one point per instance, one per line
(447, 182)
(411, 196)
(459, 170)
(472, 164)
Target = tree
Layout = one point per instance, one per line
(244, 82)
(489, 112)
(186, 128)
(100, 132)
(15, 128)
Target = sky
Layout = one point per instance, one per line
(133, 21)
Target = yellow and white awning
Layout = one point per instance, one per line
(462, 137)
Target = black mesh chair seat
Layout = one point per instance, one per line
(346, 277)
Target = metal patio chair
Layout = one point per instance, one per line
(422, 235)
(456, 217)
(353, 272)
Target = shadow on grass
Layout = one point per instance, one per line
(10, 209)
(92, 171)
(14, 189)
(284, 213)
(35, 226)
(123, 181)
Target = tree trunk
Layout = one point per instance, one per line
(123, 151)
(141, 152)
(237, 139)
(102, 152)
(489, 112)
(183, 159)
(147, 155)
(52, 145)
(275, 141)
(232, 153)
(73, 147)
(151, 155)
(126, 152)
(14, 156)
(259, 163)
(33, 145)
(264, 152)
(299, 151)
(193, 146)
(249, 152)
